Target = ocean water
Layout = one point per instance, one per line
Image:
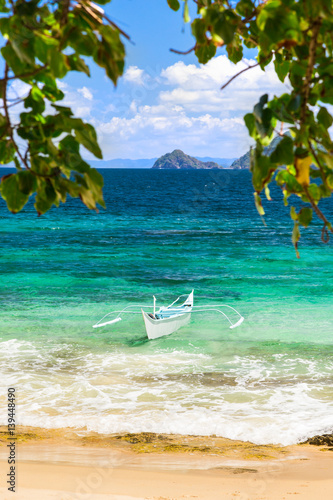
(166, 233)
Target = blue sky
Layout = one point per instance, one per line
(165, 101)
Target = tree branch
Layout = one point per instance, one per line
(183, 53)
(64, 14)
(10, 129)
(309, 70)
(117, 28)
(320, 215)
(24, 75)
(12, 104)
(96, 12)
(314, 154)
(237, 74)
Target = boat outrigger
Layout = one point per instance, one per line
(169, 319)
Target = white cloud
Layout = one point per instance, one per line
(133, 106)
(86, 93)
(198, 88)
(81, 101)
(189, 111)
(216, 72)
(154, 130)
(18, 89)
(135, 75)
(62, 85)
(179, 107)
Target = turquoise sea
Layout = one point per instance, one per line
(166, 233)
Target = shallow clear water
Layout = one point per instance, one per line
(166, 233)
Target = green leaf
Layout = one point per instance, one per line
(314, 192)
(7, 152)
(42, 45)
(63, 110)
(268, 193)
(186, 14)
(11, 193)
(235, 52)
(110, 53)
(58, 63)
(199, 29)
(35, 100)
(324, 117)
(3, 6)
(95, 184)
(23, 45)
(3, 125)
(262, 169)
(88, 138)
(294, 103)
(70, 144)
(95, 177)
(87, 198)
(258, 204)
(224, 28)
(17, 163)
(259, 108)
(281, 66)
(293, 213)
(250, 122)
(42, 204)
(205, 52)
(12, 59)
(330, 181)
(245, 8)
(46, 196)
(328, 159)
(76, 63)
(84, 44)
(265, 120)
(305, 216)
(295, 237)
(283, 153)
(27, 183)
(174, 4)
(52, 93)
(262, 18)
(285, 178)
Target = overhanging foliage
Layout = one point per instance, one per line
(297, 37)
(43, 42)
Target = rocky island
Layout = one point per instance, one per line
(243, 163)
(179, 160)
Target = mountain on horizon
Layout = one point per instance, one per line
(178, 160)
(149, 162)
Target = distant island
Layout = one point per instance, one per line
(178, 160)
(149, 162)
(243, 163)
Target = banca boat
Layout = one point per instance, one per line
(168, 319)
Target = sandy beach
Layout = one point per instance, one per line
(69, 465)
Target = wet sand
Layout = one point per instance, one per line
(66, 464)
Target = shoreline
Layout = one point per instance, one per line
(69, 464)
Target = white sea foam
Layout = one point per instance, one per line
(277, 399)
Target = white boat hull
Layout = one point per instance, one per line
(156, 328)
(169, 319)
